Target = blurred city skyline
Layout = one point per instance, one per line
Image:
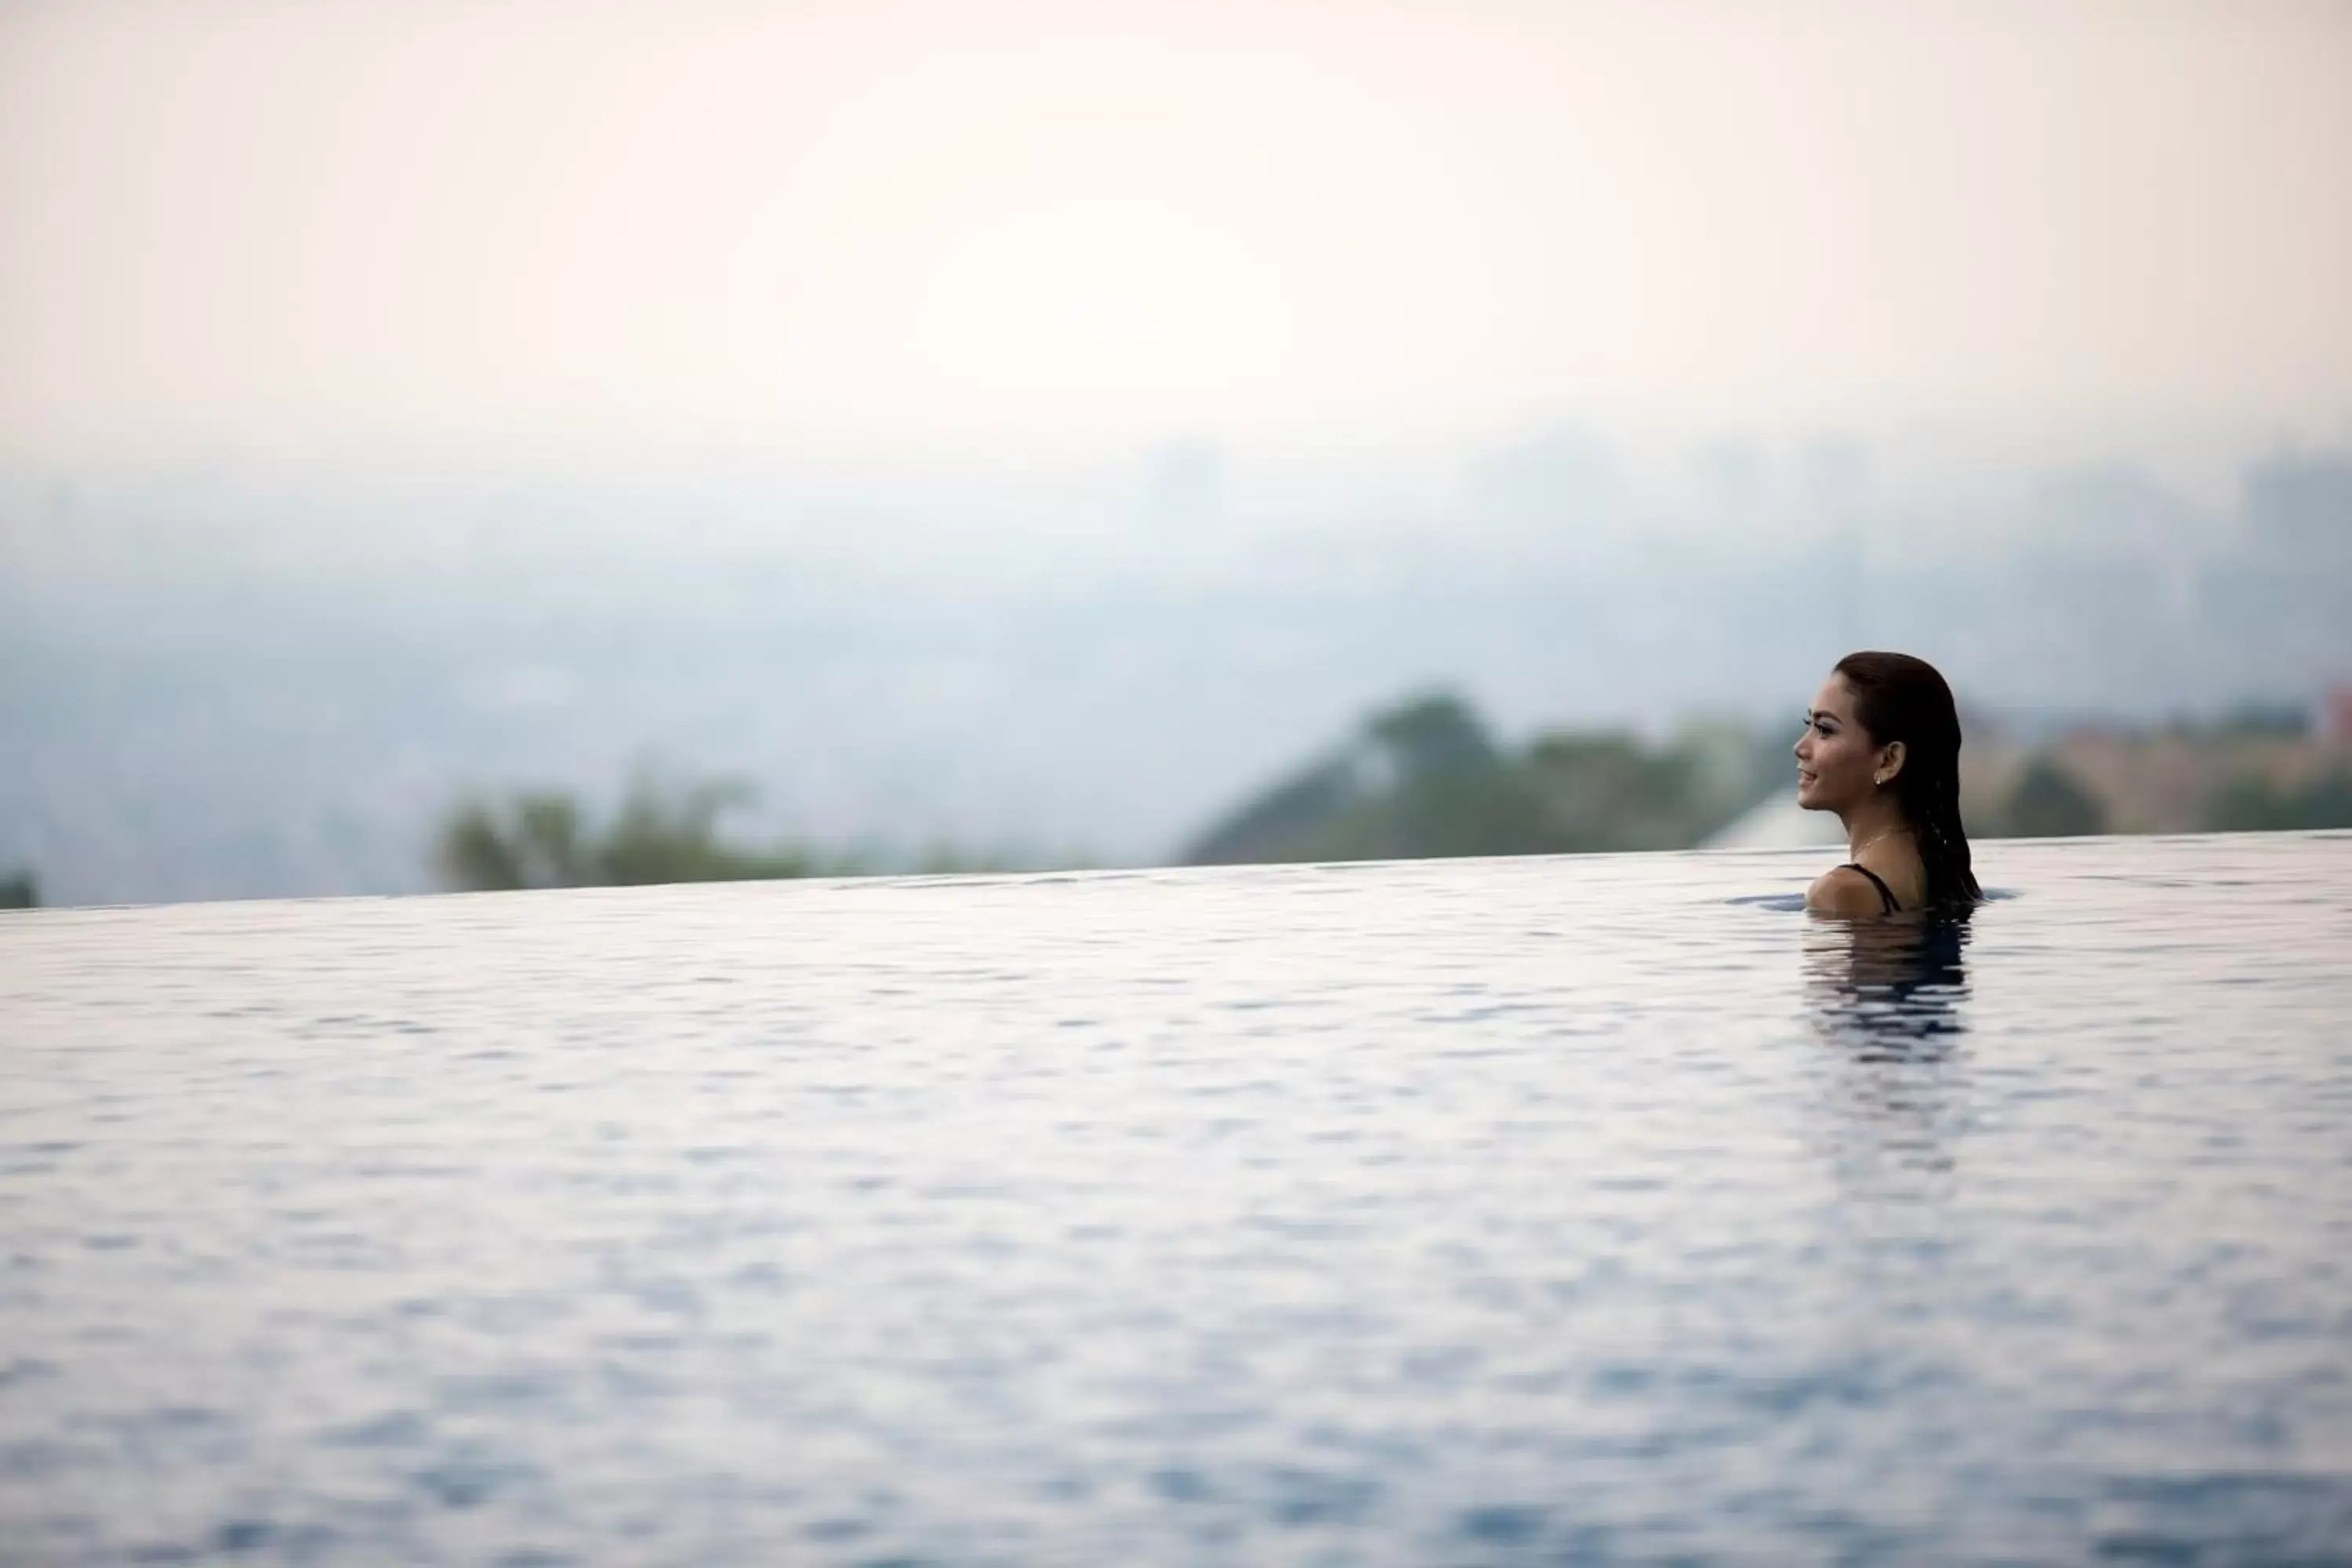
(215, 728)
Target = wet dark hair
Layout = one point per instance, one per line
(1898, 698)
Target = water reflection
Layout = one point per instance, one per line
(1889, 996)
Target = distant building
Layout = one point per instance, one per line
(2335, 715)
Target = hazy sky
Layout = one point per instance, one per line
(248, 227)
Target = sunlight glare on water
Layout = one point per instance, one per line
(1464, 1211)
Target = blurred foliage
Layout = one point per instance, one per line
(1426, 778)
(20, 890)
(540, 840)
(2254, 805)
(2049, 803)
(662, 833)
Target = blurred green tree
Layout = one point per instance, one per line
(20, 890)
(540, 839)
(1426, 778)
(2254, 805)
(2049, 803)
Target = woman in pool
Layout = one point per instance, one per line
(1882, 749)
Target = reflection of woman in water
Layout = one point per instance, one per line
(1889, 988)
(1890, 998)
(1882, 749)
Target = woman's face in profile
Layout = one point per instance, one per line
(1834, 756)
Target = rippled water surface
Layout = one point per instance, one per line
(1458, 1212)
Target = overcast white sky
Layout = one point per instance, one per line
(252, 227)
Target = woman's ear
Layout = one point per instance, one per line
(1890, 762)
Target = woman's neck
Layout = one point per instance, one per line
(1872, 821)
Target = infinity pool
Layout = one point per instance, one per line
(1561, 1209)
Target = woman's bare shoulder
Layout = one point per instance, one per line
(1842, 890)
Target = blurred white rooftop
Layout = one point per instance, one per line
(1779, 823)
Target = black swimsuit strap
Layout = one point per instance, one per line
(1894, 905)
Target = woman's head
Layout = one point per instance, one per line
(1884, 725)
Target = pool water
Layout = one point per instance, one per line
(1582, 1209)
